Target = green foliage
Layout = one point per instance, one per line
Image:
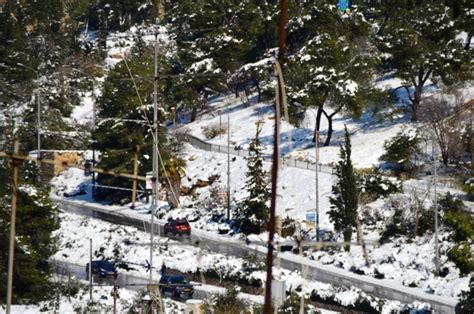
(400, 152)
(462, 224)
(462, 256)
(225, 303)
(420, 41)
(35, 243)
(450, 203)
(375, 185)
(292, 304)
(411, 220)
(252, 213)
(289, 226)
(123, 129)
(466, 304)
(343, 211)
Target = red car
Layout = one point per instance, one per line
(177, 227)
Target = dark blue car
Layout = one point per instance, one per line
(176, 285)
(102, 268)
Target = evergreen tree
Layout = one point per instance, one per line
(35, 243)
(330, 65)
(401, 150)
(419, 40)
(252, 213)
(344, 201)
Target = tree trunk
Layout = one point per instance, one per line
(330, 131)
(467, 45)
(347, 238)
(259, 92)
(193, 114)
(416, 102)
(318, 122)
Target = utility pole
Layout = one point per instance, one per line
(90, 270)
(276, 155)
(316, 216)
(11, 249)
(228, 163)
(436, 210)
(135, 172)
(154, 178)
(115, 293)
(93, 144)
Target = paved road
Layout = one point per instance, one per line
(388, 289)
(124, 280)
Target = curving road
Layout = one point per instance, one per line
(383, 288)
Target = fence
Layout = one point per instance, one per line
(287, 161)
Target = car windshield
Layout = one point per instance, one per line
(107, 266)
(178, 280)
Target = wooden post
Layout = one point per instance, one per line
(11, 250)
(135, 172)
(115, 293)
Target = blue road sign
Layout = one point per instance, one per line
(343, 5)
(310, 216)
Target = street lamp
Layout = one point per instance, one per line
(316, 154)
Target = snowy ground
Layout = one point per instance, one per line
(108, 242)
(400, 260)
(103, 297)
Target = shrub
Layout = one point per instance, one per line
(288, 227)
(462, 224)
(466, 305)
(213, 130)
(462, 256)
(400, 150)
(225, 303)
(404, 221)
(374, 186)
(450, 203)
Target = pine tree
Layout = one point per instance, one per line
(330, 65)
(35, 243)
(419, 39)
(252, 213)
(343, 211)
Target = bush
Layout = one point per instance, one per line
(466, 305)
(213, 130)
(400, 150)
(288, 227)
(225, 303)
(374, 186)
(450, 203)
(462, 224)
(462, 256)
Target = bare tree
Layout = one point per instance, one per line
(445, 119)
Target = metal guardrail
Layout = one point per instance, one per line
(287, 161)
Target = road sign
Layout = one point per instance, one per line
(310, 216)
(343, 5)
(149, 181)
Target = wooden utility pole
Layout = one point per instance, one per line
(135, 173)
(11, 250)
(279, 97)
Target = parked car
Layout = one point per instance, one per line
(177, 227)
(176, 285)
(102, 268)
